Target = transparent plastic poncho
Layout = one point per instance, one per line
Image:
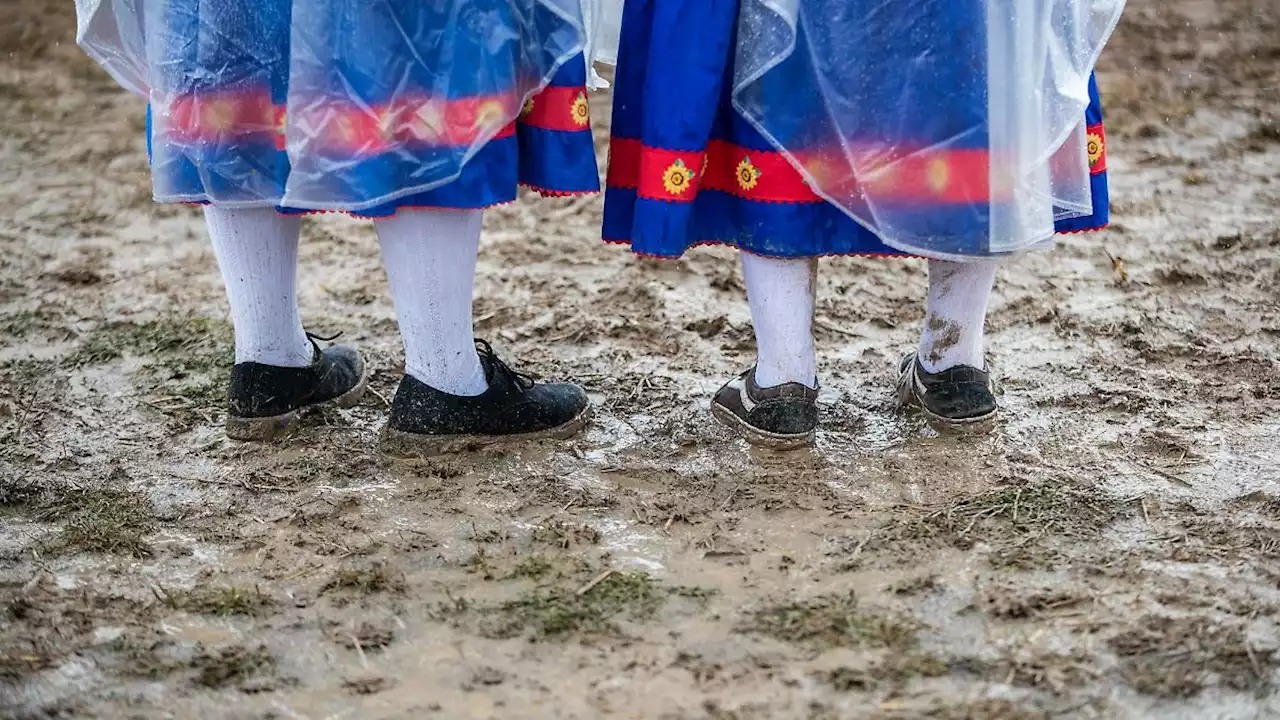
(949, 128)
(366, 101)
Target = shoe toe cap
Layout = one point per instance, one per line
(964, 402)
(791, 417)
(558, 403)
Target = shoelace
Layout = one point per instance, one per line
(315, 343)
(490, 358)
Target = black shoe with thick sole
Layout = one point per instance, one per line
(960, 399)
(779, 418)
(266, 401)
(426, 422)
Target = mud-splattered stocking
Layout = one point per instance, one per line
(957, 312)
(257, 251)
(780, 292)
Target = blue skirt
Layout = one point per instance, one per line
(402, 100)
(687, 169)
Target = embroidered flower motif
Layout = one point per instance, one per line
(1097, 147)
(389, 123)
(816, 172)
(528, 107)
(344, 129)
(427, 124)
(219, 115)
(884, 178)
(282, 123)
(748, 174)
(580, 112)
(939, 175)
(677, 178)
(488, 114)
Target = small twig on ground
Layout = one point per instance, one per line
(591, 585)
(380, 396)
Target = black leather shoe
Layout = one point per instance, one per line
(426, 422)
(959, 399)
(266, 401)
(780, 418)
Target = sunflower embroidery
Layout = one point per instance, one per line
(939, 175)
(388, 123)
(883, 179)
(579, 111)
(1097, 146)
(748, 174)
(344, 129)
(528, 107)
(489, 114)
(427, 123)
(815, 171)
(677, 178)
(219, 116)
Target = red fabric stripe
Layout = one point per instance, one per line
(945, 178)
(765, 176)
(624, 163)
(558, 108)
(656, 174)
(219, 115)
(412, 121)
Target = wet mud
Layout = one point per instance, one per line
(1111, 551)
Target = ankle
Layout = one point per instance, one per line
(935, 359)
(464, 378)
(296, 352)
(772, 374)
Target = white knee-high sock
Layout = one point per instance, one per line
(957, 314)
(781, 295)
(431, 265)
(257, 251)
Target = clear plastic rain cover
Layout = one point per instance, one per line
(950, 128)
(325, 104)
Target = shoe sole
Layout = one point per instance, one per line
(758, 437)
(409, 446)
(909, 396)
(270, 428)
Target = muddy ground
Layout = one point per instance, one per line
(1112, 551)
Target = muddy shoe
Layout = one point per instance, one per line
(267, 400)
(959, 399)
(780, 418)
(427, 422)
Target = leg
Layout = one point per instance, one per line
(947, 376)
(956, 314)
(774, 404)
(456, 393)
(279, 372)
(781, 295)
(430, 257)
(257, 251)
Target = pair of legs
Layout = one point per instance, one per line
(456, 393)
(430, 256)
(774, 403)
(781, 295)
